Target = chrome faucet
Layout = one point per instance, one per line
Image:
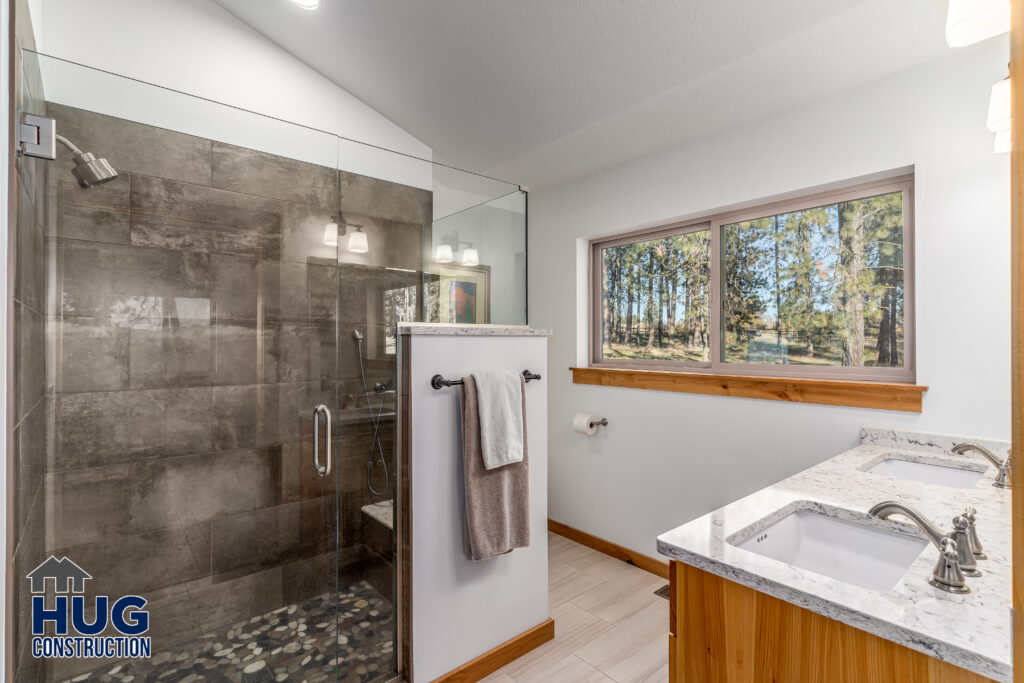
(955, 557)
(1003, 478)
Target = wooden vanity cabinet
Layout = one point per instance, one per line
(724, 632)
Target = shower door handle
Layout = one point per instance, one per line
(321, 470)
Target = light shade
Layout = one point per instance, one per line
(307, 4)
(331, 234)
(999, 107)
(471, 257)
(357, 242)
(1004, 142)
(970, 21)
(443, 253)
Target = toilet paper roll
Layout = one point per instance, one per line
(581, 424)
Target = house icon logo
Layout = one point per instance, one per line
(64, 573)
(105, 628)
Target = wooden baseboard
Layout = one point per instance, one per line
(509, 651)
(645, 562)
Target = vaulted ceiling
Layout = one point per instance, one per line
(541, 91)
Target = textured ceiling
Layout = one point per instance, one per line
(540, 91)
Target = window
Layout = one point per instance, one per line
(812, 287)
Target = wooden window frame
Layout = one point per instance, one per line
(897, 181)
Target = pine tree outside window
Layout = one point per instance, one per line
(819, 286)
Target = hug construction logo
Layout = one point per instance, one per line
(83, 639)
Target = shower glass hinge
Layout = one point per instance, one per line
(37, 136)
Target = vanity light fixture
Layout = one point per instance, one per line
(450, 244)
(308, 4)
(443, 253)
(971, 21)
(357, 243)
(999, 106)
(331, 234)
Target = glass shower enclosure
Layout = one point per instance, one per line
(207, 377)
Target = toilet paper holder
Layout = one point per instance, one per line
(603, 422)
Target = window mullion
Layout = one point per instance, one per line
(716, 298)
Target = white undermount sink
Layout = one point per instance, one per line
(930, 471)
(856, 553)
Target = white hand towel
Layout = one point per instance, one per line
(500, 397)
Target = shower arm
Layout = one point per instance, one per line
(70, 145)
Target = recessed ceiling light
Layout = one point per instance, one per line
(307, 4)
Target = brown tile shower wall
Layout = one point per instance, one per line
(198, 320)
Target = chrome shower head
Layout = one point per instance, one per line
(357, 335)
(88, 171)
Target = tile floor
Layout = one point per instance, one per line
(609, 624)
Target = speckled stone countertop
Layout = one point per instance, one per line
(472, 330)
(972, 631)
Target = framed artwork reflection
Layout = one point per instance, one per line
(463, 294)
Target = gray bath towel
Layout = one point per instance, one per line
(498, 500)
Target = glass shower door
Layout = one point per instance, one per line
(190, 312)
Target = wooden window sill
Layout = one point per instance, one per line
(878, 395)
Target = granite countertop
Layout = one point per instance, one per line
(971, 631)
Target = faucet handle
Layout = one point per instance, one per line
(965, 556)
(973, 541)
(947, 575)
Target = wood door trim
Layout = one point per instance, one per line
(645, 562)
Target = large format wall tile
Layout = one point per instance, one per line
(272, 536)
(88, 505)
(30, 359)
(246, 170)
(108, 428)
(134, 147)
(372, 196)
(146, 562)
(391, 244)
(29, 446)
(99, 213)
(198, 488)
(128, 284)
(189, 217)
(303, 236)
(30, 265)
(93, 354)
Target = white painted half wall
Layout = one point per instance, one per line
(460, 610)
(666, 458)
(197, 47)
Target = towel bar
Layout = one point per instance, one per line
(439, 382)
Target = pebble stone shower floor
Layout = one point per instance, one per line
(292, 643)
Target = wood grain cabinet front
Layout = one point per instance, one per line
(723, 632)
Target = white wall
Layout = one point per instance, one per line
(667, 458)
(197, 47)
(460, 610)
